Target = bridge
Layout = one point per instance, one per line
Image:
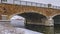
(34, 13)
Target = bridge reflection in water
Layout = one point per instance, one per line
(40, 28)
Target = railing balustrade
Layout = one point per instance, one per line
(27, 3)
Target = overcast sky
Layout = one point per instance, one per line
(53, 2)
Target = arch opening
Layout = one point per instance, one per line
(56, 19)
(57, 23)
(33, 18)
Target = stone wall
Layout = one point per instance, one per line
(8, 9)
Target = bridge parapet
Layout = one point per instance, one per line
(27, 3)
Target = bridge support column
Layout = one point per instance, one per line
(49, 22)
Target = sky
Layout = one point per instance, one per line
(53, 2)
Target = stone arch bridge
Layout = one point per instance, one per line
(32, 13)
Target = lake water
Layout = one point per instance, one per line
(44, 29)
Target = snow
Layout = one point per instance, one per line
(13, 30)
(18, 21)
(17, 17)
(29, 31)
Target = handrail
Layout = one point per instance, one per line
(27, 3)
(30, 3)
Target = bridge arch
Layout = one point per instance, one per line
(55, 15)
(33, 17)
(27, 12)
(56, 18)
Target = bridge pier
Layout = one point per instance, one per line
(49, 22)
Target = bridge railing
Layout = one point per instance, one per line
(27, 3)
(56, 7)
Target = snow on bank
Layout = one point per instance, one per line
(14, 30)
(17, 21)
(26, 31)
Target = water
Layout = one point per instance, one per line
(57, 29)
(37, 28)
(44, 29)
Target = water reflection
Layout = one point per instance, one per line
(49, 30)
(40, 28)
(37, 28)
(57, 28)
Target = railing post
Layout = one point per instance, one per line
(13, 1)
(0, 1)
(49, 5)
